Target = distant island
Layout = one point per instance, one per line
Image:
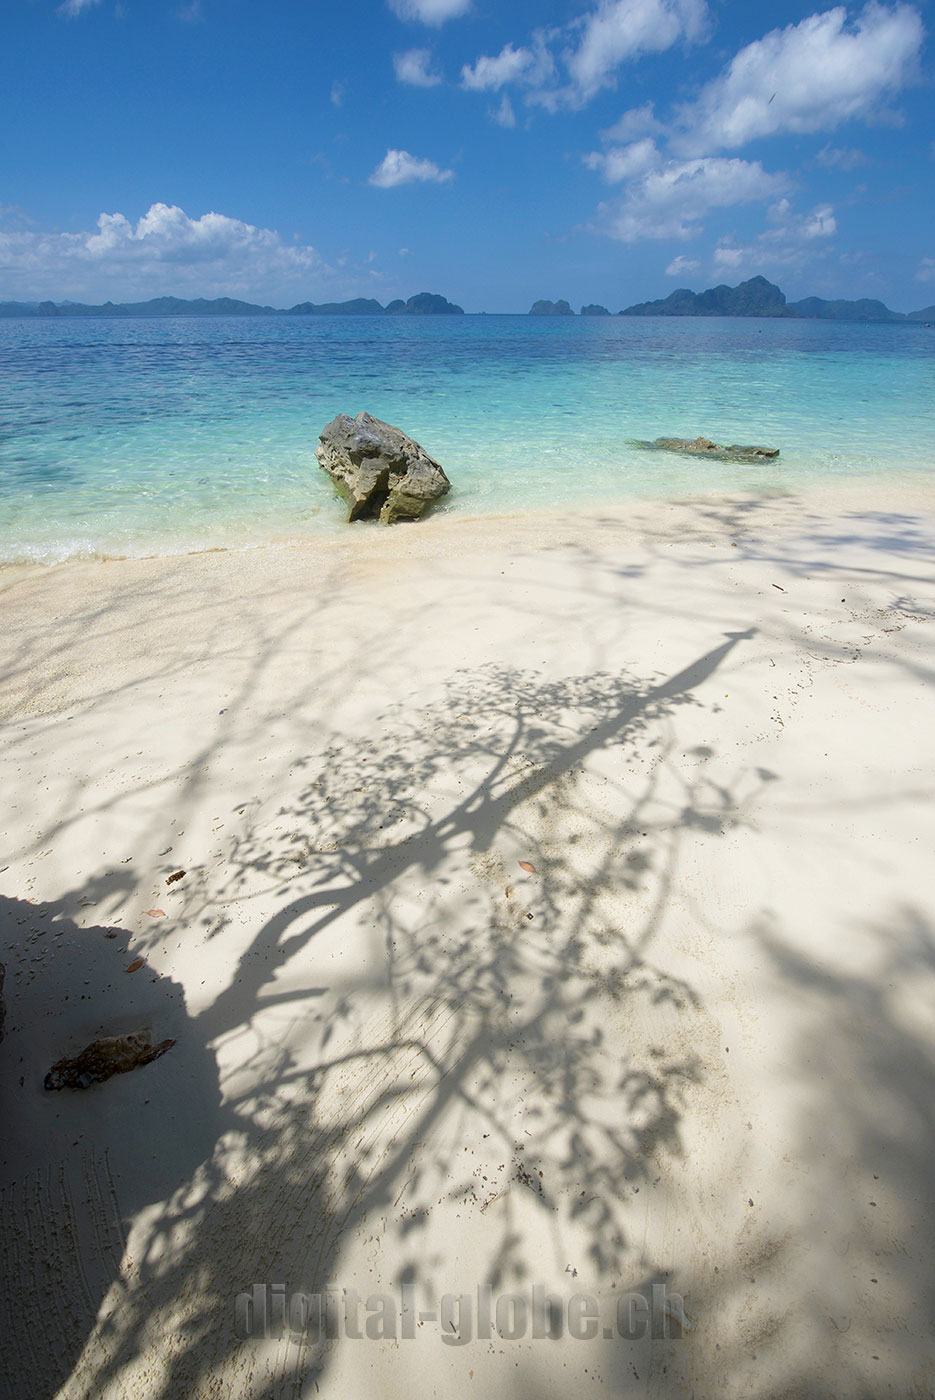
(422, 304)
(755, 297)
(550, 308)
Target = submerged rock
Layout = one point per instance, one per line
(114, 1054)
(703, 447)
(379, 471)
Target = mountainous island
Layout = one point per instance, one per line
(550, 308)
(755, 297)
(422, 304)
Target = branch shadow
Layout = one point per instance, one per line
(494, 1055)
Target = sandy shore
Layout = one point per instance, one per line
(691, 1047)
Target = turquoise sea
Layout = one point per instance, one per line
(144, 436)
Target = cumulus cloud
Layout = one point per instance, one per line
(680, 265)
(623, 162)
(810, 76)
(433, 12)
(164, 252)
(413, 67)
(786, 225)
(624, 29)
(595, 45)
(728, 257)
(821, 223)
(638, 121)
(670, 199)
(400, 168)
(789, 240)
(529, 66)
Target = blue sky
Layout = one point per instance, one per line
(597, 150)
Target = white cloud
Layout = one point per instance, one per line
(337, 93)
(821, 223)
(596, 45)
(743, 260)
(434, 12)
(841, 157)
(789, 240)
(728, 257)
(72, 8)
(400, 168)
(638, 121)
(530, 66)
(926, 272)
(413, 67)
(504, 114)
(682, 264)
(164, 252)
(623, 162)
(787, 226)
(670, 200)
(624, 29)
(810, 76)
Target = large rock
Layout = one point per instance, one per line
(704, 447)
(379, 470)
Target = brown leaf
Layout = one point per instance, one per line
(527, 865)
(156, 913)
(177, 876)
(137, 962)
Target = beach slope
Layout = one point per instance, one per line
(532, 903)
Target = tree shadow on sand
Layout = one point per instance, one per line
(427, 1038)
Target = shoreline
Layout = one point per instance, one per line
(916, 489)
(691, 1044)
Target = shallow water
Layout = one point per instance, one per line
(154, 436)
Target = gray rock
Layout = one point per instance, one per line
(114, 1054)
(378, 470)
(703, 447)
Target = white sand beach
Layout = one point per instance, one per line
(692, 1046)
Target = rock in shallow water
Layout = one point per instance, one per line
(378, 470)
(114, 1054)
(703, 447)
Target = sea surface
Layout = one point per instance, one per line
(134, 437)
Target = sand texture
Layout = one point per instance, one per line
(693, 1045)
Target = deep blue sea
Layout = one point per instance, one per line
(144, 436)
